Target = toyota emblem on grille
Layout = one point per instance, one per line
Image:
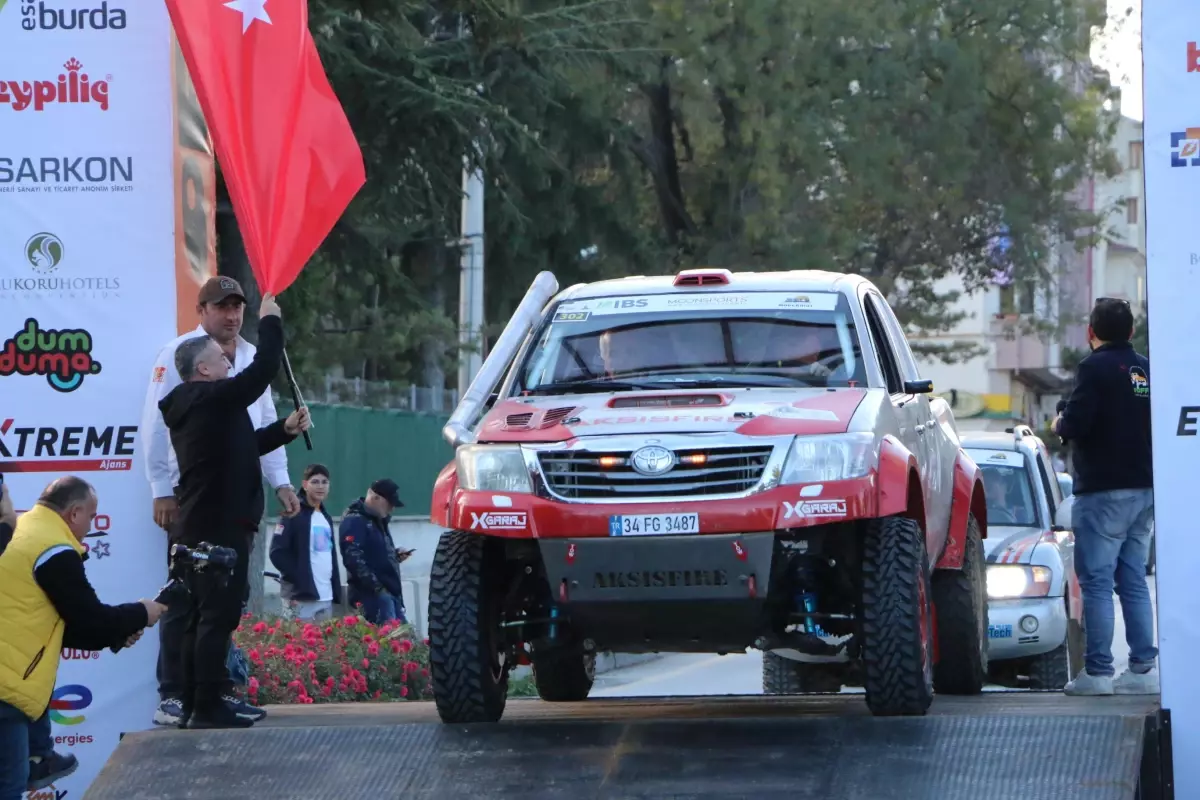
(653, 460)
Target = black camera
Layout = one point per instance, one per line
(204, 558)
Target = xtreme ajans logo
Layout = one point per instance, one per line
(64, 357)
(39, 15)
(66, 448)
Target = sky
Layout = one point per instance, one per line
(1119, 50)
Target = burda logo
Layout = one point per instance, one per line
(499, 521)
(39, 15)
(72, 87)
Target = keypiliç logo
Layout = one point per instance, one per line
(74, 86)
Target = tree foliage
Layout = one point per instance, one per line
(905, 140)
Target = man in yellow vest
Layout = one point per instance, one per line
(46, 604)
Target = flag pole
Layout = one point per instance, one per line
(291, 379)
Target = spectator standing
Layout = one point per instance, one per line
(221, 305)
(46, 604)
(1106, 421)
(221, 498)
(303, 551)
(370, 555)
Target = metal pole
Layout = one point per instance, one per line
(470, 290)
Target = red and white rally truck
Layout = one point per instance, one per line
(707, 462)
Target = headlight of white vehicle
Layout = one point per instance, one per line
(840, 457)
(492, 468)
(1013, 580)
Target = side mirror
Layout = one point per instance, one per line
(918, 387)
(1066, 484)
(1062, 519)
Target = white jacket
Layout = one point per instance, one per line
(162, 469)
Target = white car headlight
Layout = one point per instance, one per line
(1013, 580)
(839, 457)
(493, 468)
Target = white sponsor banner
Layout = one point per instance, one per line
(1170, 32)
(87, 294)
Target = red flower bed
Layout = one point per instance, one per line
(346, 659)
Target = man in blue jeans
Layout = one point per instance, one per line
(1107, 423)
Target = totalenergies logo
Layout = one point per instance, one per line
(72, 697)
(73, 86)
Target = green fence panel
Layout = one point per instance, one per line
(361, 445)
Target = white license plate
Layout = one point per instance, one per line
(653, 524)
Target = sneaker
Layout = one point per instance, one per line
(243, 709)
(1136, 683)
(1088, 685)
(169, 712)
(219, 716)
(48, 769)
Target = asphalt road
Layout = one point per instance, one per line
(685, 674)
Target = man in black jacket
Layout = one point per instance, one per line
(1107, 423)
(221, 495)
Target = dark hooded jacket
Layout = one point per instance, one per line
(368, 552)
(290, 555)
(220, 480)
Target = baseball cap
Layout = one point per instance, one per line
(388, 490)
(219, 288)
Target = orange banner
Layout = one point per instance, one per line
(195, 195)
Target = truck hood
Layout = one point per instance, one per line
(1008, 544)
(752, 412)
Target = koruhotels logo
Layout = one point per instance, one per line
(73, 86)
(66, 448)
(64, 357)
(44, 252)
(40, 15)
(1185, 148)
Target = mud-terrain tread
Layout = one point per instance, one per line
(459, 661)
(564, 677)
(893, 557)
(960, 597)
(783, 676)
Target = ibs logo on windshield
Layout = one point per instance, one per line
(64, 357)
(72, 697)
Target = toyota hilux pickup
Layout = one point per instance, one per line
(707, 462)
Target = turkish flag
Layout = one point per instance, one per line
(285, 147)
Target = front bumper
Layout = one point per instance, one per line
(1007, 639)
(526, 516)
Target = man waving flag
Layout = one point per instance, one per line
(283, 142)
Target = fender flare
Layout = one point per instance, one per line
(897, 478)
(968, 498)
(443, 492)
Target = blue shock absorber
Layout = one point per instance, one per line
(553, 625)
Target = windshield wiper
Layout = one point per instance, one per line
(589, 385)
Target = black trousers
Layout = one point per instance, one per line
(216, 610)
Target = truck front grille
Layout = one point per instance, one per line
(588, 475)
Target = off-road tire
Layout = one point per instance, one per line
(898, 659)
(564, 676)
(783, 676)
(960, 601)
(463, 625)
(1051, 671)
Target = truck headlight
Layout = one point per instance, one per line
(1013, 580)
(839, 457)
(492, 468)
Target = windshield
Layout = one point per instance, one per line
(1010, 496)
(735, 339)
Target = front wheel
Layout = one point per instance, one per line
(960, 598)
(564, 676)
(466, 653)
(783, 676)
(897, 624)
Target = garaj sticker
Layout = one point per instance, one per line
(499, 521)
(829, 509)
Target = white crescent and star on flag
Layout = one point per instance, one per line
(250, 10)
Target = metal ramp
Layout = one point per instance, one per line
(822, 747)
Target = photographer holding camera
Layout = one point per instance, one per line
(221, 497)
(46, 604)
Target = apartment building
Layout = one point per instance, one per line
(1022, 375)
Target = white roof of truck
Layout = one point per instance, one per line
(793, 281)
